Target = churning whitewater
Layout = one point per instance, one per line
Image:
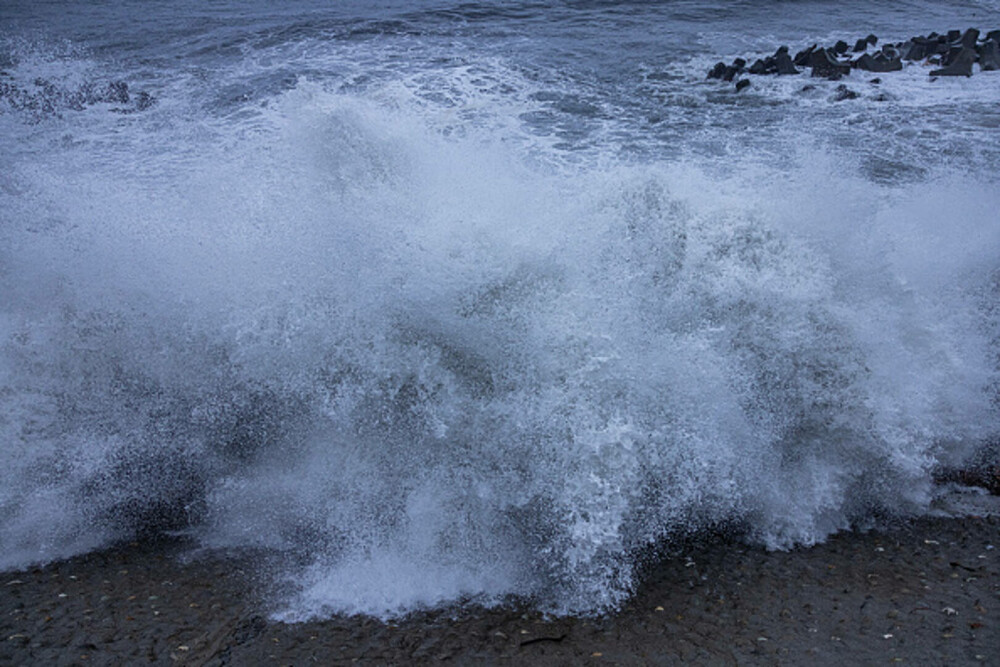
(439, 324)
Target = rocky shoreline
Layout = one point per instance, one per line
(924, 591)
(953, 53)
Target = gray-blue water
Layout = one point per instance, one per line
(467, 301)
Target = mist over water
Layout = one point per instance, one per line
(468, 325)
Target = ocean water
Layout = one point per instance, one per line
(470, 301)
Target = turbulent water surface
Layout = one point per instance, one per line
(449, 301)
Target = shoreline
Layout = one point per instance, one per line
(926, 591)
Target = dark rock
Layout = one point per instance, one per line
(783, 63)
(891, 52)
(882, 63)
(960, 66)
(50, 98)
(77, 100)
(875, 81)
(801, 58)
(954, 50)
(919, 49)
(807, 88)
(953, 53)
(989, 55)
(844, 93)
(116, 91)
(143, 101)
(825, 64)
(881, 97)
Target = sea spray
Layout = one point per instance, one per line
(426, 371)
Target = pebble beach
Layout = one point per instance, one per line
(921, 592)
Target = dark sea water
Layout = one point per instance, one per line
(462, 301)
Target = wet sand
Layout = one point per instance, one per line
(924, 592)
